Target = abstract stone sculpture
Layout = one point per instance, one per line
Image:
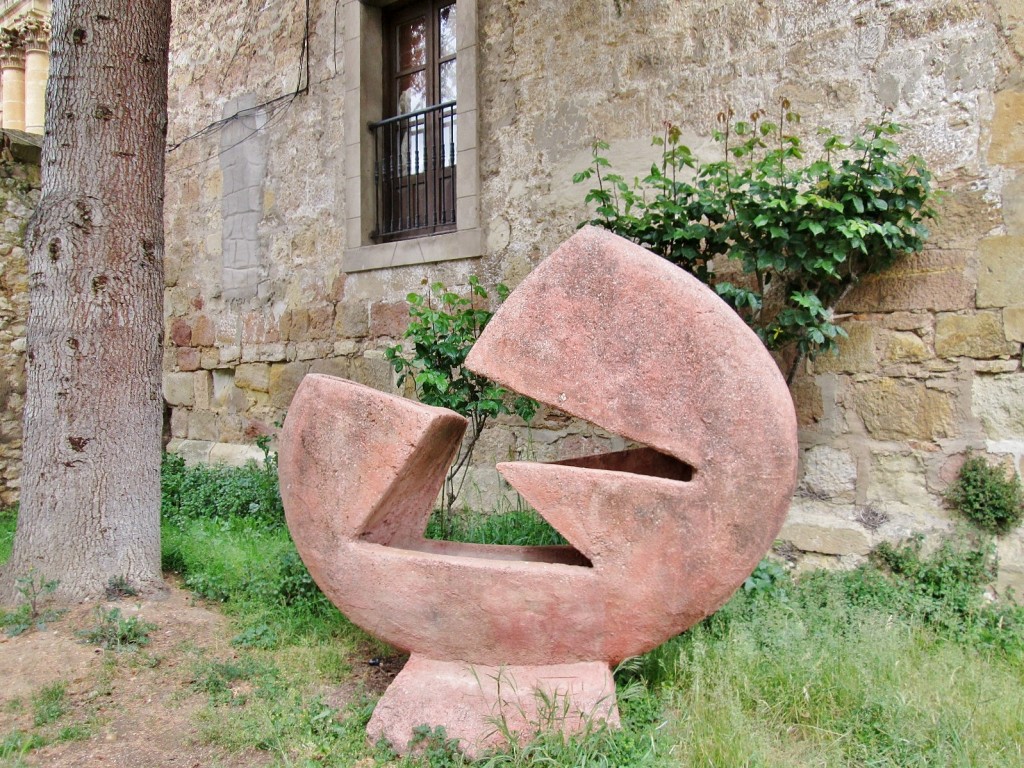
(660, 536)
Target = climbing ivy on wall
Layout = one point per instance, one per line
(781, 239)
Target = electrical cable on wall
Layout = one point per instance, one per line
(272, 107)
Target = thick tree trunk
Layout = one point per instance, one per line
(90, 499)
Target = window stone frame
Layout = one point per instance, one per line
(364, 85)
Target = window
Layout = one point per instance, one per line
(396, 71)
(414, 146)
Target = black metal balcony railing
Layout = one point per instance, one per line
(414, 172)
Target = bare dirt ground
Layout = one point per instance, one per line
(136, 709)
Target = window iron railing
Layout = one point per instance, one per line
(414, 172)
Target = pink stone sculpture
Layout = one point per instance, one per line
(504, 639)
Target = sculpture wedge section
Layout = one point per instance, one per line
(660, 536)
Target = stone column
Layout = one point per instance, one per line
(36, 34)
(12, 79)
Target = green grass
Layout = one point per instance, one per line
(8, 521)
(900, 663)
(522, 527)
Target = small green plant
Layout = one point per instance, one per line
(49, 704)
(34, 589)
(768, 577)
(115, 632)
(119, 587)
(987, 495)
(230, 681)
(443, 328)
(433, 746)
(803, 233)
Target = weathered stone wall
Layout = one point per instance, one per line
(19, 192)
(933, 364)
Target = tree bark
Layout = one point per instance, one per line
(90, 502)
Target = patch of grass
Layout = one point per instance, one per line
(116, 632)
(8, 524)
(903, 662)
(522, 527)
(16, 745)
(232, 680)
(256, 573)
(49, 704)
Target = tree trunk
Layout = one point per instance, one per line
(90, 501)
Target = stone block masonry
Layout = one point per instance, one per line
(19, 193)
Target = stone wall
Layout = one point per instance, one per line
(19, 192)
(257, 296)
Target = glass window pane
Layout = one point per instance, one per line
(412, 92)
(447, 25)
(412, 44)
(448, 81)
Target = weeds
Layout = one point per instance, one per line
(224, 493)
(115, 632)
(8, 524)
(987, 496)
(34, 589)
(49, 704)
(522, 527)
(119, 587)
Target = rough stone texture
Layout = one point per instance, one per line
(470, 699)
(825, 535)
(898, 409)
(660, 536)
(243, 163)
(979, 335)
(998, 403)
(1008, 128)
(931, 280)
(19, 192)
(856, 352)
(1013, 323)
(179, 389)
(828, 473)
(1001, 274)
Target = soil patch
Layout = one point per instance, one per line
(133, 708)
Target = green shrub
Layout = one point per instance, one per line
(988, 496)
(221, 492)
(802, 232)
(442, 329)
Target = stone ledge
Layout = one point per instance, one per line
(825, 535)
(465, 244)
(207, 452)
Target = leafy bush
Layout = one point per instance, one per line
(803, 232)
(221, 492)
(443, 328)
(987, 496)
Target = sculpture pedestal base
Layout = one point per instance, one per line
(482, 706)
